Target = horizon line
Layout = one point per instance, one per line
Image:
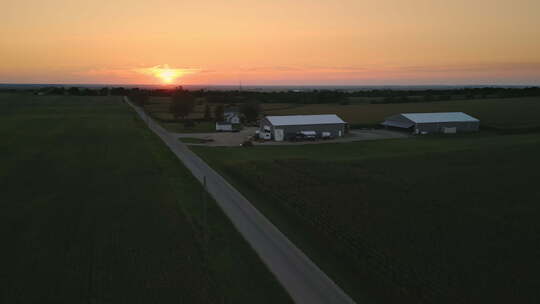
(275, 85)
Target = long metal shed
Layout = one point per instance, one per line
(282, 127)
(444, 122)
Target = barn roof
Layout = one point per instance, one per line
(398, 124)
(295, 120)
(438, 117)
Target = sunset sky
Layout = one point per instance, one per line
(300, 42)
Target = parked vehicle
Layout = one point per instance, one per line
(304, 135)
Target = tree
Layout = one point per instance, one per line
(104, 91)
(251, 110)
(74, 91)
(207, 112)
(219, 113)
(182, 103)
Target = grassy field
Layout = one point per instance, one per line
(95, 209)
(439, 219)
(498, 113)
(506, 114)
(158, 108)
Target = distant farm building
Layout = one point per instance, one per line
(425, 123)
(281, 128)
(232, 115)
(231, 121)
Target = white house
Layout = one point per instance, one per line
(231, 116)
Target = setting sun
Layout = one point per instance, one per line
(168, 75)
(165, 74)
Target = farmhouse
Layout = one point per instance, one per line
(281, 128)
(231, 120)
(232, 115)
(424, 123)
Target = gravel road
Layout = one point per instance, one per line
(302, 279)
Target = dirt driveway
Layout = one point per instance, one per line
(354, 135)
(229, 139)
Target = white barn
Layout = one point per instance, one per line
(284, 127)
(424, 123)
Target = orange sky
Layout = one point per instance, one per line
(352, 42)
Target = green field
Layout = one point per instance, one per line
(443, 219)
(497, 113)
(95, 209)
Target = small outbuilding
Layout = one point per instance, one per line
(425, 123)
(287, 127)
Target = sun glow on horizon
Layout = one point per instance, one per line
(165, 74)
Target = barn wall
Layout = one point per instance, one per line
(332, 128)
(289, 130)
(468, 126)
(264, 122)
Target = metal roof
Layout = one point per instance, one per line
(438, 117)
(398, 124)
(295, 120)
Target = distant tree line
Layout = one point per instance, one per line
(306, 97)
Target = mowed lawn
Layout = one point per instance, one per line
(498, 113)
(95, 209)
(439, 219)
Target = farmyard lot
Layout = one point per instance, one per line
(95, 209)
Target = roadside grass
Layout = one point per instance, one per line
(435, 219)
(96, 209)
(193, 140)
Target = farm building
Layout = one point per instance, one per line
(424, 123)
(281, 128)
(232, 115)
(231, 120)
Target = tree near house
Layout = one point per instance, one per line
(219, 113)
(250, 110)
(207, 112)
(182, 104)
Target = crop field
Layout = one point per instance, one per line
(431, 219)
(498, 113)
(505, 114)
(95, 209)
